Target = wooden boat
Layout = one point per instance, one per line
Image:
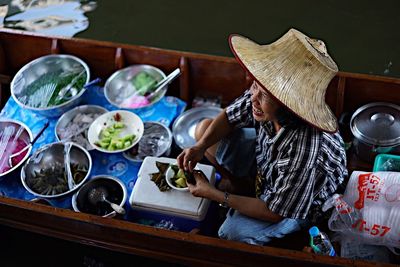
(203, 74)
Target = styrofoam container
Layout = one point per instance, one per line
(147, 200)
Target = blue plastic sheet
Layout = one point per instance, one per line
(164, 111)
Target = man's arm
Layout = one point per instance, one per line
(218, 129)
(249, 206)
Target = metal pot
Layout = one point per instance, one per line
(376, 129)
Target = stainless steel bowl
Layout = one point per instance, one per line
(185, 125)
(26, 137)
(119, 86)
(50, 158)
(67, 117)
(156, 142)
(117, 194)
(41, 66)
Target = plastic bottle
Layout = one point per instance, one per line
(320, 243)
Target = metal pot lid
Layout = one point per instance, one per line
(377, 124)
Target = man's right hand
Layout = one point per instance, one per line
(189, 157)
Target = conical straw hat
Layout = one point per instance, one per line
(296, 70)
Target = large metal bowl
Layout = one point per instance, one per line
(50, 159)
(184, 126)
(44, 65)
(119, 86)
(81, 134)
(25, 136)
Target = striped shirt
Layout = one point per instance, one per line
(298, 168)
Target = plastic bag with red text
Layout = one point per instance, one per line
(369, 208)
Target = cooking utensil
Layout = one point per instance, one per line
(138, 101)
(119, 86)
(47, 65)
(376, 129)
(100, 194)
(29, 145)
(184, 126)
(47, 164)
(160, 85)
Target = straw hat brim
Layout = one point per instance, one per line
(310, 107)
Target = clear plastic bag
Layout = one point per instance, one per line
(369, 209)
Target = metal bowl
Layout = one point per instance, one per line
(117, 194)
(25, 136)
(185, 125)
(45, 65)
(156, 142)
(50, 159)
(66, 118)
(119, 86)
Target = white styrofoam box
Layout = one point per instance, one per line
(146, 195)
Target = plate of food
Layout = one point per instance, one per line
(115, 131)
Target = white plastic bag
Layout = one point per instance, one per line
(369, 209)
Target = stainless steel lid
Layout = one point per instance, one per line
(377, 124)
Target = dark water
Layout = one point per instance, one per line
(362, 36)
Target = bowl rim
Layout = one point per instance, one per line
(41, 149)
(169, 182)
(187, 113)
(110, 113)
(73, 110)
(97, 177)
(29, 149)
(125, 153)
(29, 64)
(116, 73)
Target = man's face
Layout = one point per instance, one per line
(264, 106)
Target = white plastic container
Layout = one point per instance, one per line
(147, 198)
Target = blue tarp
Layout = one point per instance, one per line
(164, 111)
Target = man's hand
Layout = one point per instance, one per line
(202, 188)
(189, 157)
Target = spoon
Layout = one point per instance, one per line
(29, 145)
(99, 194)
(160, 85)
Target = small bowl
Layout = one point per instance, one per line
(117, 194)
(155, 142)
(45, 65)
(67, 117)
(48, 160)
(133, 125)
(119, 86)
(168, 176)
(26, 137)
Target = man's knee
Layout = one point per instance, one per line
(201, 127)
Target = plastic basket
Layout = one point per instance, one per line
(387, 162)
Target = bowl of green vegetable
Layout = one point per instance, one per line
(176, 178)
(130, 87)
(50, 85)
(115, 131)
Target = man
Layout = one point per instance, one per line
(299, 158)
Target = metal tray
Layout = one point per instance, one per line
(185, 125)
